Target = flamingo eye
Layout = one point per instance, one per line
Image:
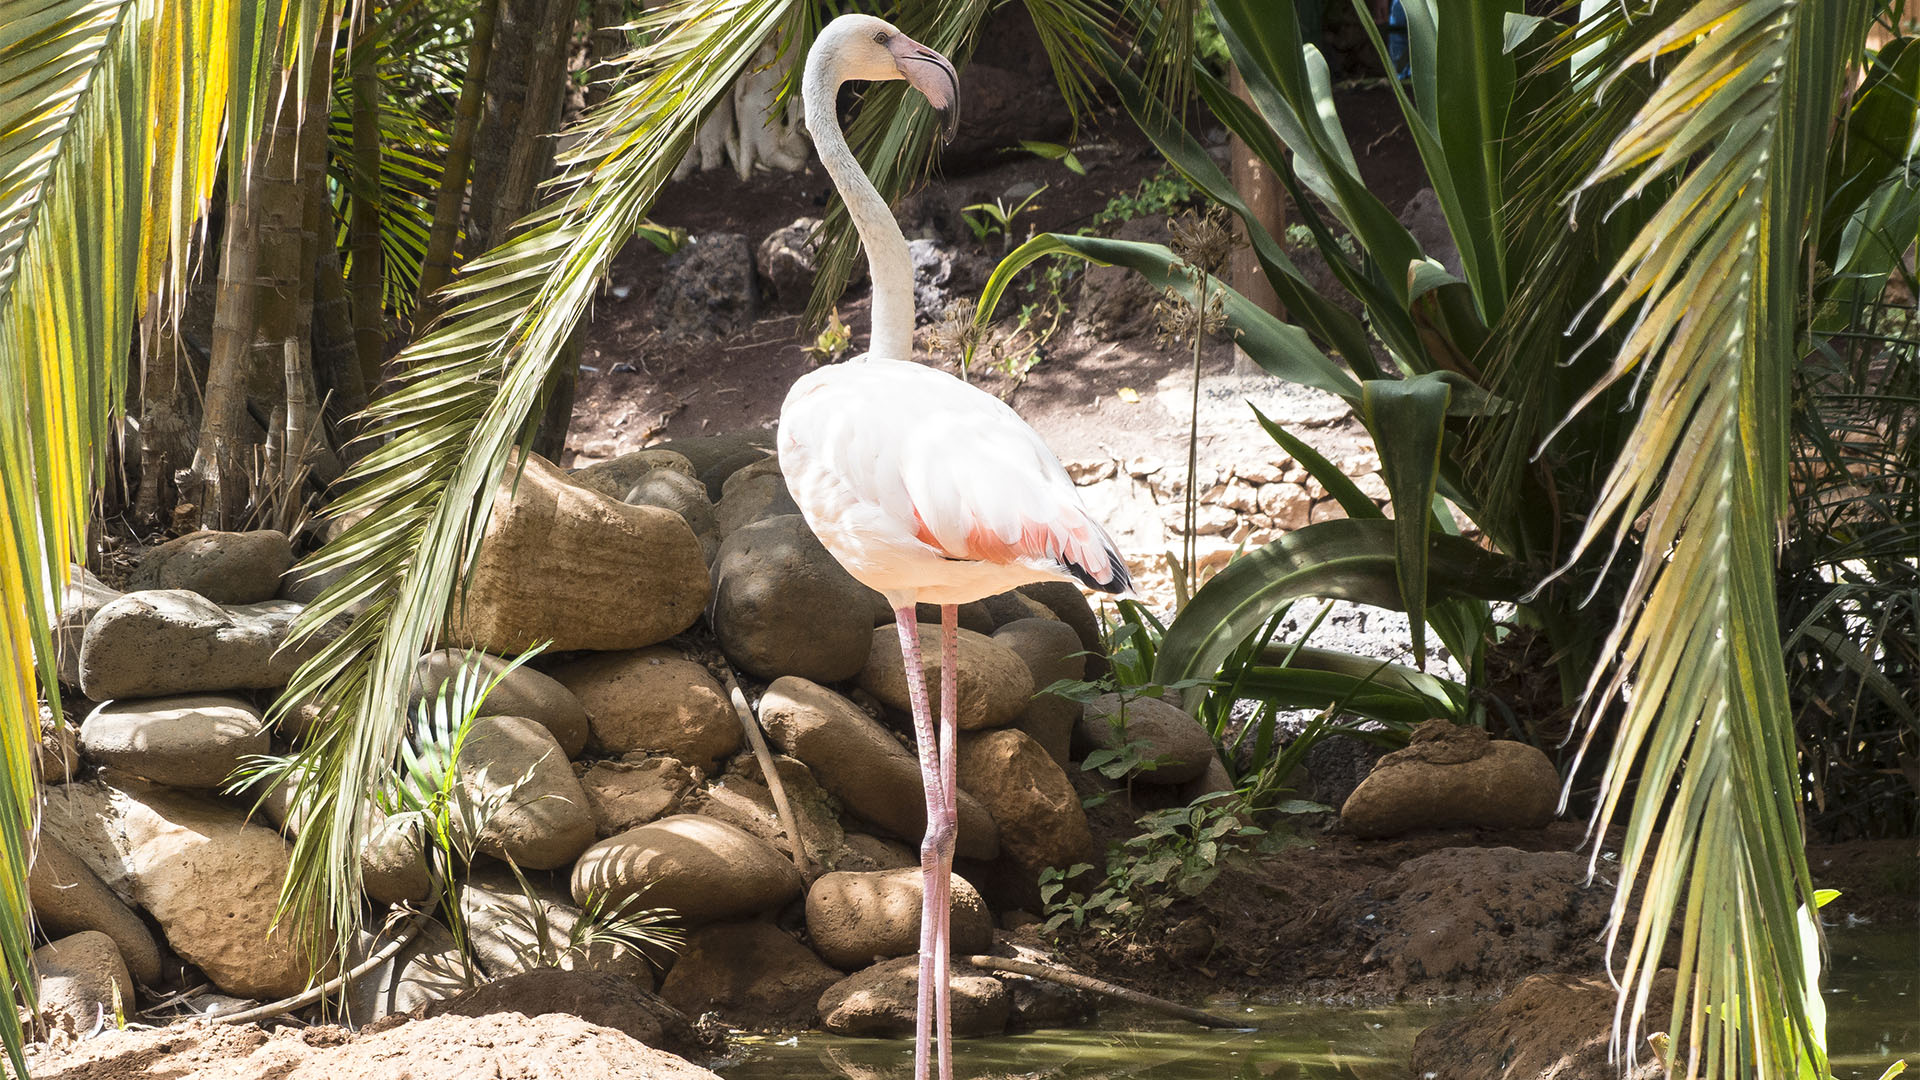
(880, 37)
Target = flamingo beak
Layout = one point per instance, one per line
(931, 74)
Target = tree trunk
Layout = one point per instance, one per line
(546, 91)
(1266, 199)
(516, 27)
(165, 442)
(215, 483)
(335, 363)
(607, 41)
(368, 281)
(437, 267)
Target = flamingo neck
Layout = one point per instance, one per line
(888, 262)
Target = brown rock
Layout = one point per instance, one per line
(544, 821)
(599, 998)
(855, 919)
(565, 564)
(994, 684)
(1450, 776)
(512, 933)
(77, 980)
(69, 898)
(1548, 1026)
(705, 870)
(84, 595)
(1033, 803)
(882, 1000)
(521, 692)
(655, 701)
(195, 740)
(742, 798)
(1174, 743)
(783, 606)
(617, 476)
(861, 764)
(751, 973)
(716, 457)
(627, 794)
(1052, 652)
(224, 567)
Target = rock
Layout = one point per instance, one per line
(56, 757)
(1052, 652)
(862, 765)
(171, 641)
(716, 457)
(682, 494)
(974, 616)
(1548, 1026)
(1033, 803)
(783, 606)
(552, 554)
(994, 684)
(522, 692)
(1012, 606)
(224, 567)
(657, 701)
(1176, 741)
(862, 851)
(194, 741)
(1039, 1003)
(1337, 764)
(510, 937)
(393, 861)
(1449, 776)
(69, 898)
(943, 274)
(626, 794)
(600, 998)
(83, 597)
(702, 869)
(617, 476)
(429, 968)
(787, 259)
(544, 822)
(209, 879)
(855, 919)
(1116, 303)
(1070, 606)
(707, 289)
(741, 798)
(754, 492)
(82, 983)
(753, 974)
(881, 1001)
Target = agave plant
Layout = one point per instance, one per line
(1636, 202)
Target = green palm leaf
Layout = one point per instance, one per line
(109, 132)
(1704, 300)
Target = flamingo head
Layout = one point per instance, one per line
(865, 47)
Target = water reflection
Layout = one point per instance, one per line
(1873, 1008)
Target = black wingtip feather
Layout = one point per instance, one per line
(1120, 583)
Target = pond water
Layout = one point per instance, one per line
(1873, 1005)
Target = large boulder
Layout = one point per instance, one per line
(1068, 604)
(224, 567)
(211, 880)
(707, 289)
(512, 932)
(753, 974)
(172, 641)
(702, 869)
(1556, 1026)
(883, 999)
(82, 598)
(783, 606)
(628, 793)
(1052, 652)
(855, 918)
(1449, 776)
(69, 898)
(1033, 804)
(754, 492)
(670, 489)
(393, 861)
(1173, 747)
(541, 821)
(82, 983)
(741, 797)
(565, 564)
(655, 701)
(994, 684)
(863, 765)
(429, 968)
(193, 741)
(521, 692)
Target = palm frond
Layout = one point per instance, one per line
(109, 137)
(470, 392)
(1704, 300)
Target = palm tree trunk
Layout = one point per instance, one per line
(216, 483)
(335, 363)
(607, 41)
(368, 273)
(165, 442)
(1264, 197)
(437, 267)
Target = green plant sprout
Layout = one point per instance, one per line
(1054, 152)
(997, 217)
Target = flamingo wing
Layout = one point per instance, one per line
(947, 465)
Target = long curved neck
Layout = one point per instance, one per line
(888, 262)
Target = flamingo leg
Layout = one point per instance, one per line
(931, 779)
(950, 811)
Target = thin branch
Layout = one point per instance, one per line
(1099, 986)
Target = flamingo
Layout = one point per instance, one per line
(923, 487)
